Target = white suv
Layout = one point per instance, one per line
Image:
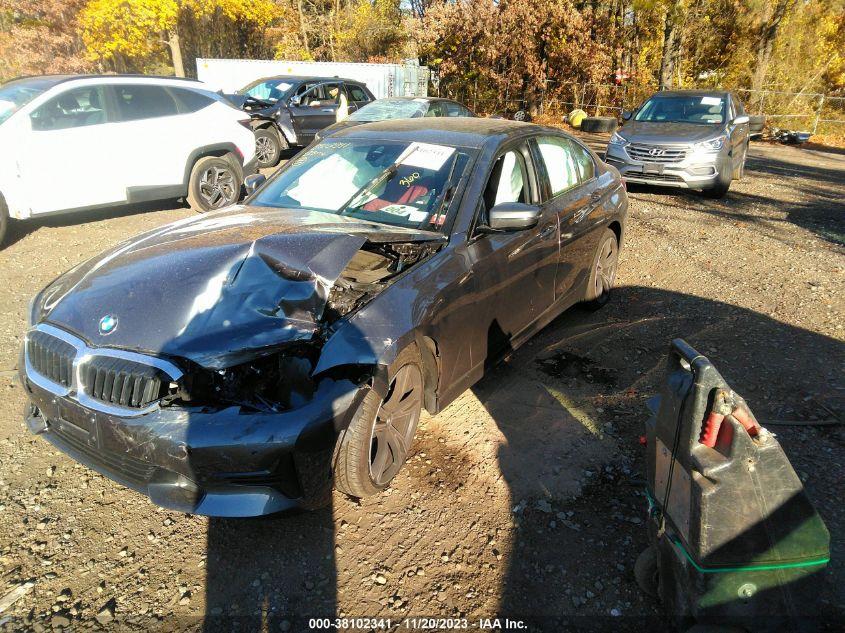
(80, 142)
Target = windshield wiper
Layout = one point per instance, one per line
(382, 176)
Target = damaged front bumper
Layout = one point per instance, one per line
(225, 462)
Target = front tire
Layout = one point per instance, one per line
(214, 184)
(268, 148)
(376, 444)
(723, 182)
(603, 272)
(739, 172)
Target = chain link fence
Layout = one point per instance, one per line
(812, 112)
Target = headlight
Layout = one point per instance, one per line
(713, 145)
(618, 139)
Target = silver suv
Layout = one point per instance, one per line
(694, 139)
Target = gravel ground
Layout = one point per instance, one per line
(523, 498)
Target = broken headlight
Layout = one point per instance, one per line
(276, 382)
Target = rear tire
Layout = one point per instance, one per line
(603, 272)
(378, 440)
(214, 183)
(4, 220)
(268, 147)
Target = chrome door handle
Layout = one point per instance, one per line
(328, 110)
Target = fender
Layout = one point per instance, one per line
(217, 149)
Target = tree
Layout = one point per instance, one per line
(768, 31)
(40, 36)
(121, 30)
(672, 43)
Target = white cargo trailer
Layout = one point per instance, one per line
(383, 80)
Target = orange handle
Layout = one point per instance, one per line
(710, 429)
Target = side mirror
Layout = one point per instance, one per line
(295, 100)
(627, 114)
(741, 119)
(253, 182)
(513, 216)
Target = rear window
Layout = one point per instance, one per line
(456, 109)
(190, 100)
(356, 93)
(143, 102)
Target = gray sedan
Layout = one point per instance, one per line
(684, 138)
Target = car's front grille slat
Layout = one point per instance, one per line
(122, 382)
(660, 177)
(51, 357)
(656, 153)
(115, 378)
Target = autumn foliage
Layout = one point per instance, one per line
(494, 51)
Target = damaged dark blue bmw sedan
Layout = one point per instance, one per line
(242, 362)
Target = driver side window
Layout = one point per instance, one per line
(79, 107)
(508, 181)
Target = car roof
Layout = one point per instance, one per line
(691, 93)
(413, 98)
(64, 78)
(459, 131)
(301, 78)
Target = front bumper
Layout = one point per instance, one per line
(696, 171)
(224, 462)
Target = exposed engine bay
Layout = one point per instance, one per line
(368, 273)
(282, 380)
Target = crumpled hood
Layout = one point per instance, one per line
(656, 133)
(217, 289)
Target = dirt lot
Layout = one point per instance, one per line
(522, 499)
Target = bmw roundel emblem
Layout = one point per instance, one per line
(108, 324)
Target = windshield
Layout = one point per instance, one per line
(270, 90)
(683, 109)
(384, 109)
(391, 182)
(16, 94)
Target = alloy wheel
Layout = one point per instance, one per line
(395, 424)
(217, 187)
(606, 266)
(265, 150)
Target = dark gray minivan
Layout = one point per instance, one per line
(696, 139)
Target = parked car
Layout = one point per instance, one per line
(289, 111)
(696, 139)
(80, 142)
(399, 108)
(379, 272)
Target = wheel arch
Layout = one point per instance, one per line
(358, 363)
(219, 150)
(616, 227)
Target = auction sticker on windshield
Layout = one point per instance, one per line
(426, 156)
(711, 101)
